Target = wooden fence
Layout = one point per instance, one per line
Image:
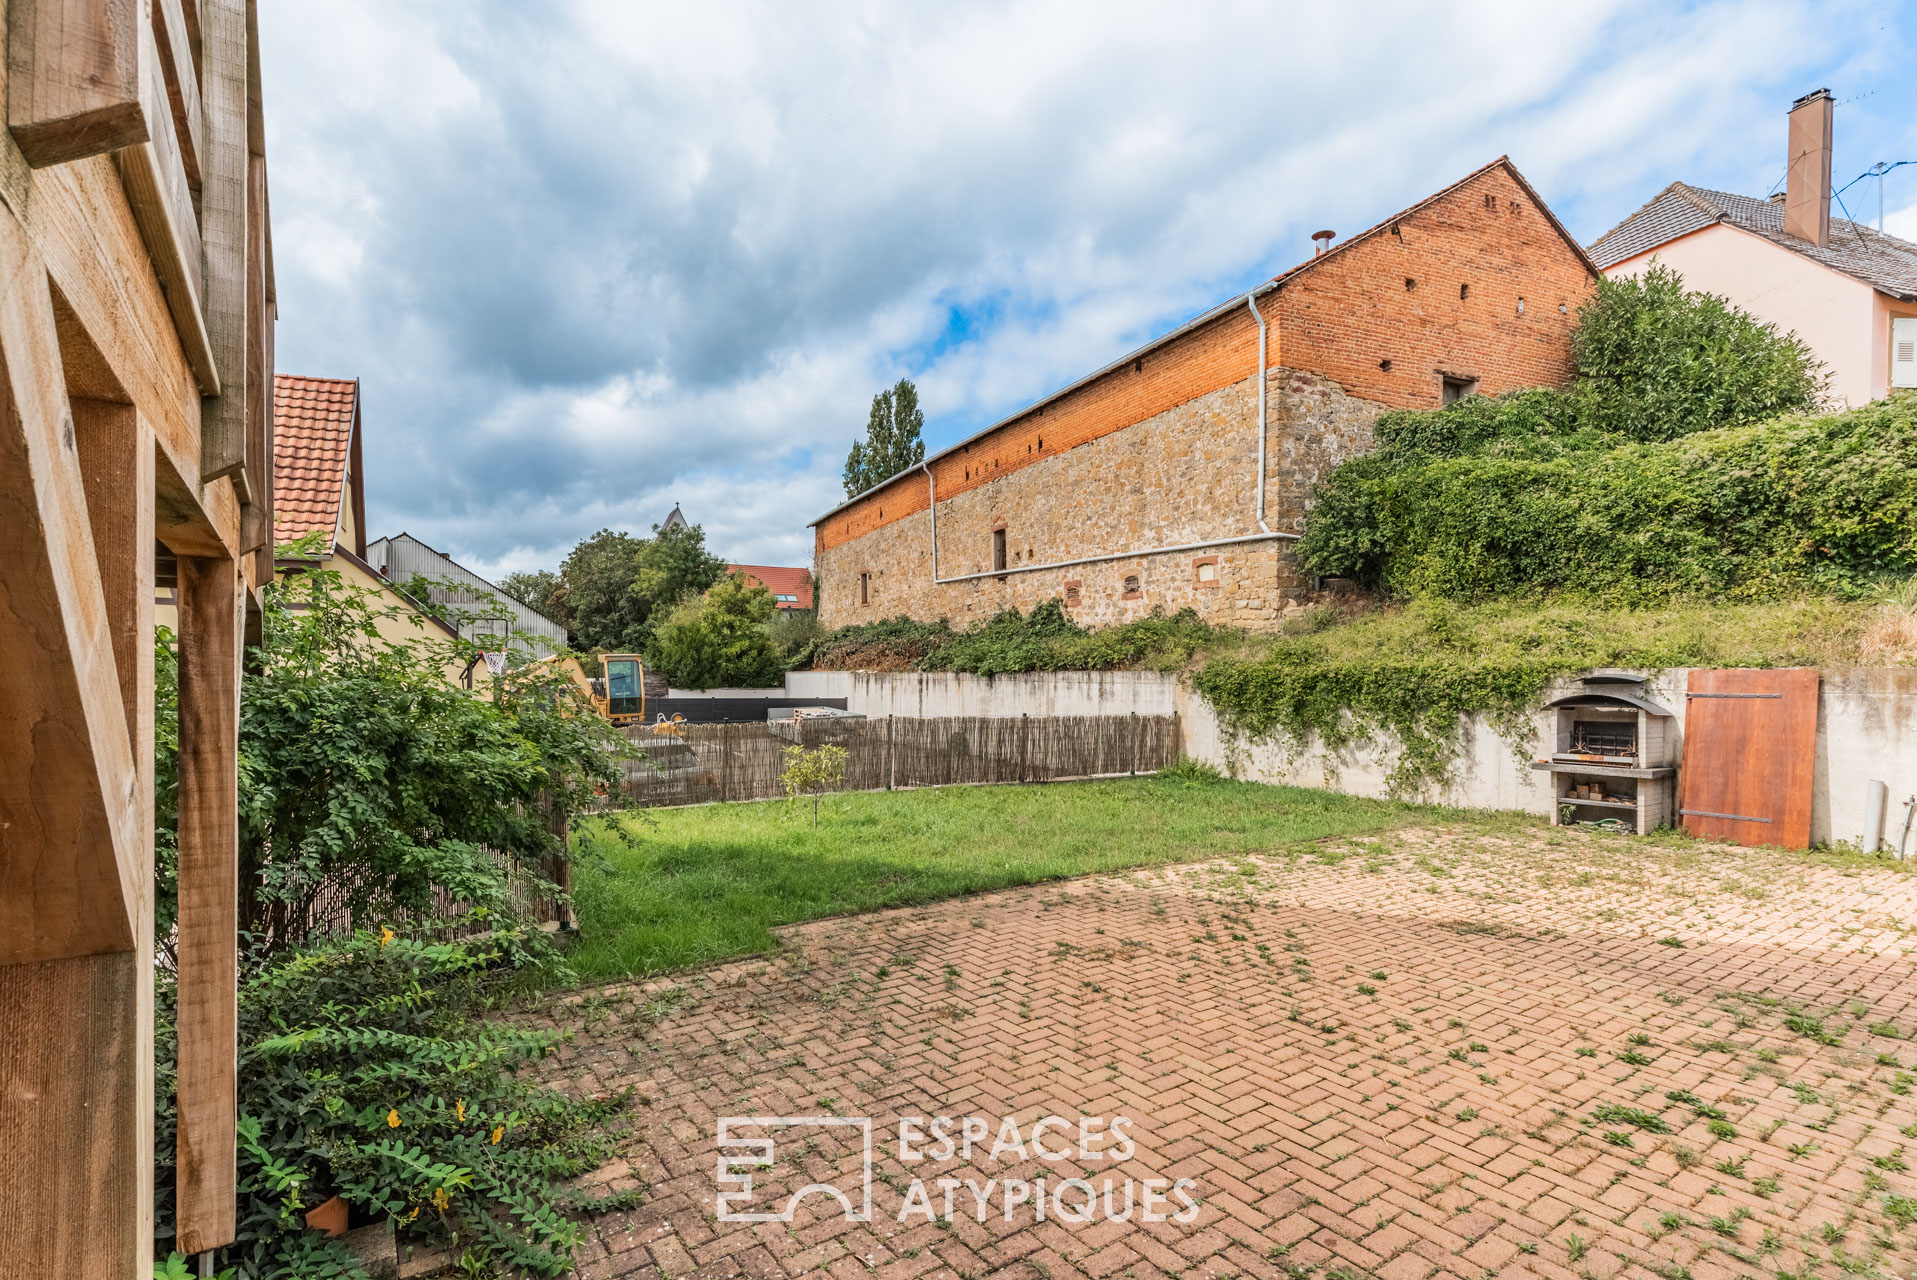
(743, 761)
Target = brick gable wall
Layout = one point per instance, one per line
(1349, 314)
(1336, 323)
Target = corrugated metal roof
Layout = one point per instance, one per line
(1882, 261)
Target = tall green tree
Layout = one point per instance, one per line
(892, 439)
(533, 589)
(722, 639)
(596, 593)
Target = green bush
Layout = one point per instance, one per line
(1009, 641)
(1753, 512)
(366, 1071)
(721, 639)
(370, 780)
(1656, 361)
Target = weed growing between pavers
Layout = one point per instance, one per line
(1538, 972)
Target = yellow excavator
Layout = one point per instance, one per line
(618, 692)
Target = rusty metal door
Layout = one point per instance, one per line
(1750, 743)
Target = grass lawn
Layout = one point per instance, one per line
(677, 887)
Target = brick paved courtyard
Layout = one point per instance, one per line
(1455, 1052)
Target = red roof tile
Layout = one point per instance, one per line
(312, 443)
(780, 581)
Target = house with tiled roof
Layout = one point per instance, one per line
(1178, 475)
(1846, 289)
(319, 506)
(319, 482)
(791, 586)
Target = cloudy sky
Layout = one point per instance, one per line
(590, 259)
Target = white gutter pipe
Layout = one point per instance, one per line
(1265, 533)
(1251, 300)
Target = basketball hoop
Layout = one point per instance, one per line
(496, 663)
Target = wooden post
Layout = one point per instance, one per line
(211, 617)
(76, 1035)
(888, 751)
(224, 198)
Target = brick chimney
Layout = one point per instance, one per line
(1807, 181)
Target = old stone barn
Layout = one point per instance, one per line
(1139, 486)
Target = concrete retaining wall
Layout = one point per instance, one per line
(1866, 729)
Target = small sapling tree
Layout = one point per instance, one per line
(813, 773)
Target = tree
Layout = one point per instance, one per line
(812, 774)
(892, 439)
(676, 563)
(613, 587)
(596, 592)
(722, 639)
(1656, 361)
(534, 589)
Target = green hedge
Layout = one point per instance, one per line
(1750, 512)
(1043, 640)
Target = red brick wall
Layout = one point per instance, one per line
(1340, 319)
(1351, 312)
(1207, 358)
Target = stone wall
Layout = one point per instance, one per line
(1183, 476)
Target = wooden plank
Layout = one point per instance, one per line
(157, 191)
(211, 615)
(223, 231)
(182, 79)
(76, 1061)
(69, 1044)
(71, 867)
(1750, 742)
(97, 258)
(73, 78)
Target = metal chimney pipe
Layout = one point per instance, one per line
(1807, 180)
(1322, 239)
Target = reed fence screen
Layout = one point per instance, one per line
(743, 761)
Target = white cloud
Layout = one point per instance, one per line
(594, 258)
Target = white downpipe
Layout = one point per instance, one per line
(1251, 300)
(1265, 532)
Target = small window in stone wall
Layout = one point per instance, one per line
(1074, 590)
(865, 588)
(1132, 591)
(998, 550)
(1204, 571)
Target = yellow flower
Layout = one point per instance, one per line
(413, 1214)
(392, 1118)
(498, 1133)
(441, 1199)
(385, 935)
(459, 1109)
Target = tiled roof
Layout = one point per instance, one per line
(780, 581)
(1881, 261)
(312, 442)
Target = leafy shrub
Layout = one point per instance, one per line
(1749, 512)
(1046, 639)
(812, 773)
(369, 779)
(719, 639)
(1627, 486)
(365, 1071)
(1656, 361)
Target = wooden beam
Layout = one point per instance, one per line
(71, 866)
(211, 617)
(182, 77)
(223, 230)
(76, 1061)
(98, 261)
(73, 78)
(158, 192)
